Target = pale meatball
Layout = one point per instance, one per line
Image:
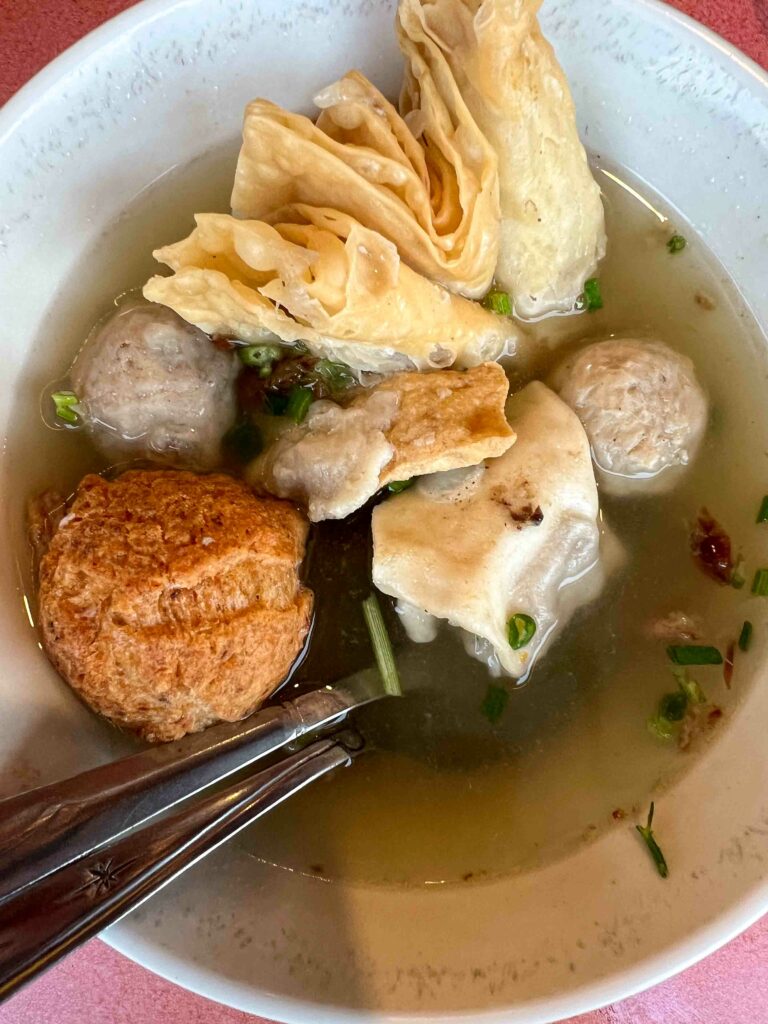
(154, 386)
(642, 408)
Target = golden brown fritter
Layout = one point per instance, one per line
(170, 601)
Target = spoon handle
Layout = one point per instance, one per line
(53, 916)
(45, 828)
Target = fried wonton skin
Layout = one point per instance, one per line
(552, 223)
(427, 182)
(339, 287)
(408, 425)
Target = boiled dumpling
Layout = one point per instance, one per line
(329, 282)
(430, 186)
(408, 425)
(552, 225)
(516, 535)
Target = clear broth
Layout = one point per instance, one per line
(445, 797)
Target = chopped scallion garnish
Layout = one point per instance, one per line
(276, 403)
(495, 702)
(672, 706)
(762, 515)
(660, 727)
(382, 648)
(677, 243)
(760, 583)
(337, 376)
(298, 405)
(259, 357)
(745, 636)
(593, 298)
(693, 692)
(695, 654)
(738, 579)
(65, 403)
(520, 630)
(398, 486)
(244, 441)
(646, 831)
(498, 302)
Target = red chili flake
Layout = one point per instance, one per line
(714, 714)
(711, 548)
(728, 664)
(618, 814)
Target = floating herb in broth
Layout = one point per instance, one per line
(447, 794)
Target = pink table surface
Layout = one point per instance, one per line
(98, 986)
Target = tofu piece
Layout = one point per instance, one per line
(513, 535)
(408, 425)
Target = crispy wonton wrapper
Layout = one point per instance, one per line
(552, 224)
(329, 282)
(429, 185)
(408, 425)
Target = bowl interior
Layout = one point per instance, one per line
(165, 84)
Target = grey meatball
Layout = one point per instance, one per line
(153, 385)
(641, 406)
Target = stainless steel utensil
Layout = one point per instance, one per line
(45, 920)
(49, 827)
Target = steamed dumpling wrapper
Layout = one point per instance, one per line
(432, 190)
(552, 223)
(329, 282)
(516, 535)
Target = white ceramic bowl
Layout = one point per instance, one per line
(156, 87)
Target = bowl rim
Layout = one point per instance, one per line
(201, 980)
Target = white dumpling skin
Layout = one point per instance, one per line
(514, 535)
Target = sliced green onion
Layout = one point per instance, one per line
(259, 356)
(398, 486)
(653, 847)
(672, 706)
(677, 243)
(298, 405)
(738, 579)
(65, 402)
(337, 376)
(498, 302)
(745, 636)
(382, 648)
(762, 515)
(695, 654)
(693, 692)
(243, 441)
(276, 403)
(593, 298)
(494, 703)
(661, 727)
(520, 630)
(760, 583)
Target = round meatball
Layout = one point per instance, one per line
(154, 386)
(169, 601)
(641, 406)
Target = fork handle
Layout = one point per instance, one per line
(56, 914)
